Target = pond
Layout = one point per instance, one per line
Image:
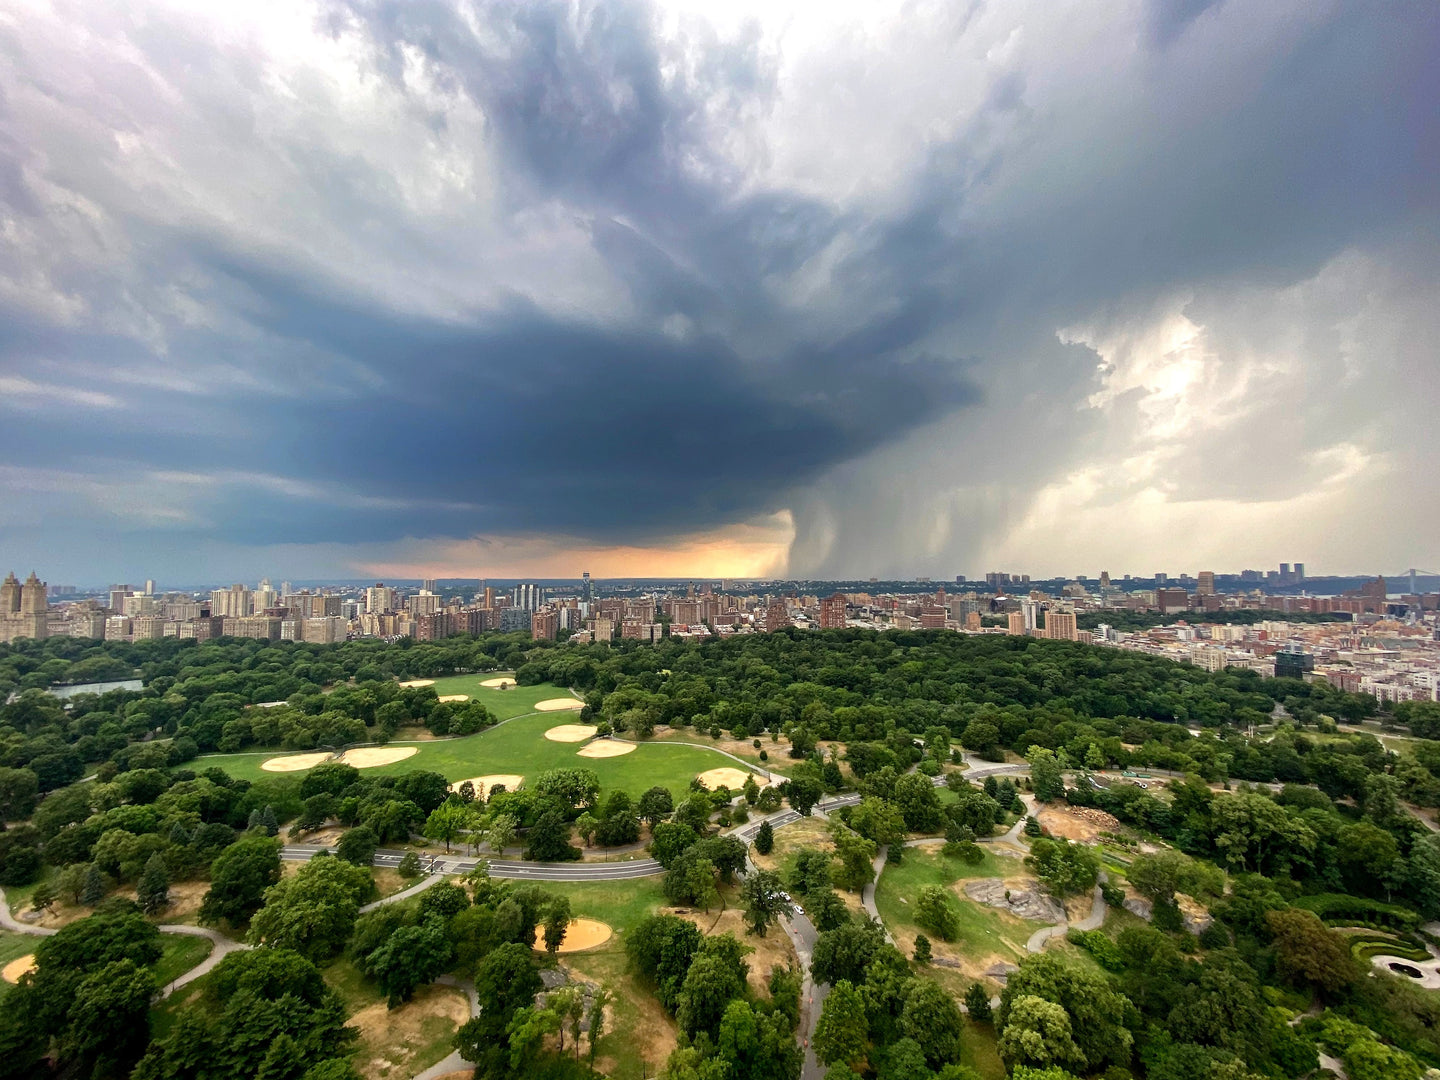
(63, 692)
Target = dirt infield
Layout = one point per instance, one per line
(559, 704)
(499, 684)
(15, 968)
(370, 757)
(580, 935)
(605, 748)
(734, 779)
(570, 733)
(483, 784)
(455, 697)
(294, 762)
(413, 683)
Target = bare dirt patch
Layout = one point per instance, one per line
(606, 748)
(294, 762)
(483, 784)
(21, 965)
(394, 1043)
(774, 948)
(1077, 822)
(734, 779)
(455, 697)
(417, 682)
(580, 935)
(370, 757)
(185, 900)
(571, 733)
(499, 684)
(559, 704)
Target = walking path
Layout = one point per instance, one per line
(222, 945)
(453, 1062)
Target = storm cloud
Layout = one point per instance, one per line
(349, 284)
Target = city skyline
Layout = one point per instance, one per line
(683, 289)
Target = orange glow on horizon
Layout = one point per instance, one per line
(753, 550)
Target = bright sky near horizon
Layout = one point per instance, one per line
(328, 288)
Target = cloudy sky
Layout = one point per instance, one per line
(383, 288)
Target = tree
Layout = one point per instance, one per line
(668, 839)
(655, 805)
(18, 791)
(934, 912)
(1037, 1032)
(803, 792)
(857, 854)
(918, 802)
(661, 947)
(846, 952)
(691, 880)
(932, 1019)
(710, 984)
(840, 1031)
(1065, 868)
(313, 912)
(764, 900)
(977, 1003)
(1307, 951)
(239, 877)
(109, 1018)
(153, 889)
(357, 846)
(922, 953)
(500, 833)
(557, 921)
(92, 890)
(449, 821)
(878, 820)
(549, 840)
(409, 867)
(1095, 1010)
(602, 997)
(1047, 774)
(412, 956)
(764, 838)
(574, 789)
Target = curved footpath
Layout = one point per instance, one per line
(222, 945)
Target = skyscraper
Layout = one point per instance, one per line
(23, 608)
(832, 612)
(1206, 586)
(585, 593)
(529, 597)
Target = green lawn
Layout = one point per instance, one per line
(12, 947)
(519, 746)
(503, 704)
(181, 953)
(621, 904)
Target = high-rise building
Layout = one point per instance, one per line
(776, 616)
(1206, 586)
(1300, 572)
(544, 625)
(1170, 600)
(23, 608)
(118, 593)
(832, 612)
(1030, 612)
(529, 597)
(149, 586)
(1060, 625)
(1016, 623)
(427, 585)
(231, 603)
(380, 598)
(585, 589)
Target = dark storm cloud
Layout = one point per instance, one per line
(578, 287)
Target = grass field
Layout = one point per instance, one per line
(642, 1035)
(503, 704)
(519, 746)
(12, 947)
(181, 953)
